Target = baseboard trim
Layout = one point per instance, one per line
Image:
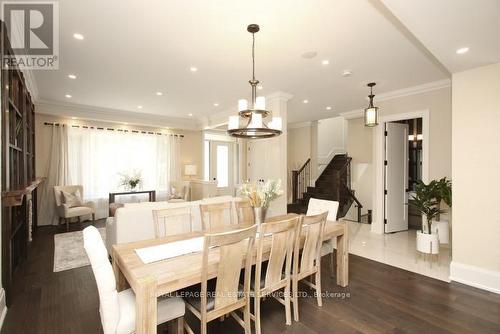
(477, 277)
(3, 307)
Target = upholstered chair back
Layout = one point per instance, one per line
(109, 307)
(317, 206)
(68, 189)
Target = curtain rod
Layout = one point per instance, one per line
(113, 129)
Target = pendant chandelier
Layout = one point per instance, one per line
(371, 113)
(252, 115)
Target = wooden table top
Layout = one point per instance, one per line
(183, 271)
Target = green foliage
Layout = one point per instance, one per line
(428, 197)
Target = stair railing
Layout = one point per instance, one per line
(301, 179)
(344, 190)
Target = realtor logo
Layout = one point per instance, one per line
(33, 31)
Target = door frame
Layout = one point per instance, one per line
(378, 161)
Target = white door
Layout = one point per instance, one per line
(396, 177)
(222, 166)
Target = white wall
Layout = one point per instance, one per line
(476, 177)
(360, 139)
(299, 146)
(331, 139)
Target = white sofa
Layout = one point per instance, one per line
(134, 221)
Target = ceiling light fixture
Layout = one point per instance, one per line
(305, 101)
(325, 62)
(346, 73)
(78, 36)
(139, 107)
(216, 104)
(68, 96)
(190, 115)
(255, 127)
(461, 51)
(72, 76)
(371, 113)
(193, 69)
(328, 108)
(159, 93)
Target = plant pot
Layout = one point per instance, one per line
(442, 229)
(260, 215)
(425, 226)
(427, 243)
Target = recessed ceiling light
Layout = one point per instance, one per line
(159, 93)
(305, 101)
(72, 76)
(259, 87)
(216, 104)
(68, 96)
(325, 62)
(346, 73)
(309, 54)
(328, 108)
(78, 36)
(139, 107)
(193, 69)
(190, 115)
(461, 51)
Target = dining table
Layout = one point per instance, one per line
(152, 280)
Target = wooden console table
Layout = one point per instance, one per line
(151, 193)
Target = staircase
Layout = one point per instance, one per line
(333, 184)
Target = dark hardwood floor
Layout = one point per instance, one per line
(379, 299)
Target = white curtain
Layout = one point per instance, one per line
(98, 157)
(57, 173)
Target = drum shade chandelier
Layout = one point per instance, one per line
(252, 115)
(371, 113)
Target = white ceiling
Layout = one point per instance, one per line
(134, 48)
(444, 26)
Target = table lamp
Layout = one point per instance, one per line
(190, 170)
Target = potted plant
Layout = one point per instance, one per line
(261, 195)
(442, 193)
(426, 203)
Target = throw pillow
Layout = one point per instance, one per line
(72, 199)
(177, 193)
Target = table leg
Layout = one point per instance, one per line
(343, 258)
(121, 282)
(146, 306)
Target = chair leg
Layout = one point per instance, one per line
(93, 219)
(295, 289)
(246, 317)
(317, 282)
(256, 313)
(67, 223)
(332, 265)
(61, 221)
(288, 312)
(177, 325)
(79, 220)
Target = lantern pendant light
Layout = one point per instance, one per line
(371, 113)
(254, 113)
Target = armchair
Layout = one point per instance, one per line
(67, 212)
(179, 192)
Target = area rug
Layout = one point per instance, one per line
(69, 252)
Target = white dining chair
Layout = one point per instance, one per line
(317, 206)
(117, 309)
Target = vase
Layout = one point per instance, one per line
(259, 215)
(427, 243)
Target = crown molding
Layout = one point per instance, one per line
(68, 110)
(299, 125)
(419, 89)
(357, 113)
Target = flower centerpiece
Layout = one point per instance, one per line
(261, 195)
(131, 181)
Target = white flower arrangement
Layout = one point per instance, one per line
(261, 194)
(131, 180)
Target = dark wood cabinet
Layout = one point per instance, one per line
(19, 183)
